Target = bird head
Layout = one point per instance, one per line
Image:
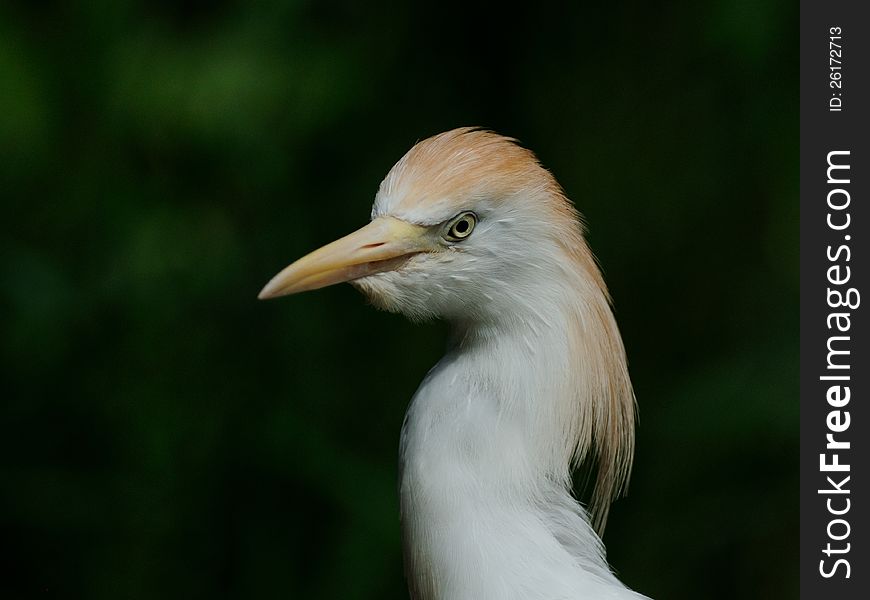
(469, 227)
(466, 226)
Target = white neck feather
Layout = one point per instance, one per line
(486, 458)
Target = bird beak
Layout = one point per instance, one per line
(382, 245)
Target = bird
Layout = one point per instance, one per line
(468, 227)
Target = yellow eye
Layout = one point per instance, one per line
(462, 226)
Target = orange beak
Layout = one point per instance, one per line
(382, 245)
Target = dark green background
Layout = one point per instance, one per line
(165, 435)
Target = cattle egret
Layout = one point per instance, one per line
(470, 228)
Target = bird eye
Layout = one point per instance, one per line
(461, 227)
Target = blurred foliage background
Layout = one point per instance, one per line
(164, 435)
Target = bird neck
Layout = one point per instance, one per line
(486, 456)
(519, 369)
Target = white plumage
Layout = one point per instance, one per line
(468, 227)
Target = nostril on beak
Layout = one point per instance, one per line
(375, 245)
